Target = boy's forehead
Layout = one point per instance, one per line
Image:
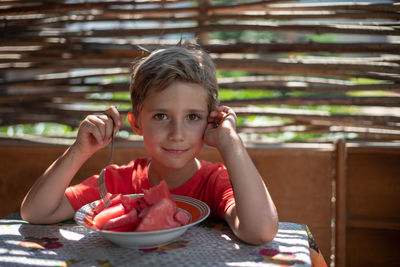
(179, 94)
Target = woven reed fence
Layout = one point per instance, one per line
(58, 56)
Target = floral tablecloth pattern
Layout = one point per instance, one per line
(208, 244)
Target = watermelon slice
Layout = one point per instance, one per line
(114, 199)
(126, 221)
(107, 214)
(159, 216)
(139, 204)
(156, 210)
(181, 217)
(156, 193)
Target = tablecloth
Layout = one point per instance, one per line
(211, 243)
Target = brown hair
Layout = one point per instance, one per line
(162, 67)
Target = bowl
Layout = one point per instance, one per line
(197, 209)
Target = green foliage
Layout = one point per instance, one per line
(121, 96)
(244, 35)
(371, 93)
(365, 81)
(321, 38)
(225, 94)
(42, 128)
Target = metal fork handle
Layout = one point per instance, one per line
(102, 183)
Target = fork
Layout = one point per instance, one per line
(102, 183)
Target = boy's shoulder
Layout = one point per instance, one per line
(209, 168)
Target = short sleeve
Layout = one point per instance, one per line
(224, 196)
(83, 193)
(125, 179)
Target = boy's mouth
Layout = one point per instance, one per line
(175, 151)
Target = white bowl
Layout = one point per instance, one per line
(198, 210)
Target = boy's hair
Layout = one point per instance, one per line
(187, 63)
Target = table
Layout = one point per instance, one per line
(209, 244)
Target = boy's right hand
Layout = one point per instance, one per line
(95, 130)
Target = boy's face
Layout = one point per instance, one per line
(172, 123)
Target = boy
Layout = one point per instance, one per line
(174, 107)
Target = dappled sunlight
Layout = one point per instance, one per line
(71, 235)
(25, 260)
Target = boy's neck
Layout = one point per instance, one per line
(173, 177)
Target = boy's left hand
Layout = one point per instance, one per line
(221, 125)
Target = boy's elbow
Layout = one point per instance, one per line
(269, 233)
(26, 215)
(263, 234)
(32, 217)
(44, 215)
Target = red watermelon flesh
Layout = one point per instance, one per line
(156, 210)
(181, 217)
(107, 214)
(128, 221)
(156, 193)
(114, 199)
(159, 216)
(139, 204)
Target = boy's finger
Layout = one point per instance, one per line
(113, 113)
(121, 121)
(111, 117)
(104, 124)
(211, 117)
(109, 127)
(94, 131)
(98, 124)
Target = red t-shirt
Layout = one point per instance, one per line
(210, 184)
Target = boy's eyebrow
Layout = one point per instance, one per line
(197, 111)
(192, 110)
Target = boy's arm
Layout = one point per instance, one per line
(254, 217)
(46, 201)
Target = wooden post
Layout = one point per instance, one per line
(340, 231)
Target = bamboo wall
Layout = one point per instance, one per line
(45, 43)
(55, 59)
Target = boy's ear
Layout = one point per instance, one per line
(135, 125)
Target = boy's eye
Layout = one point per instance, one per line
(160, 116)
(193, 117)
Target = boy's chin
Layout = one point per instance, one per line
(176, 163)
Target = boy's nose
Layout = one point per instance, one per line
(176, 132)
